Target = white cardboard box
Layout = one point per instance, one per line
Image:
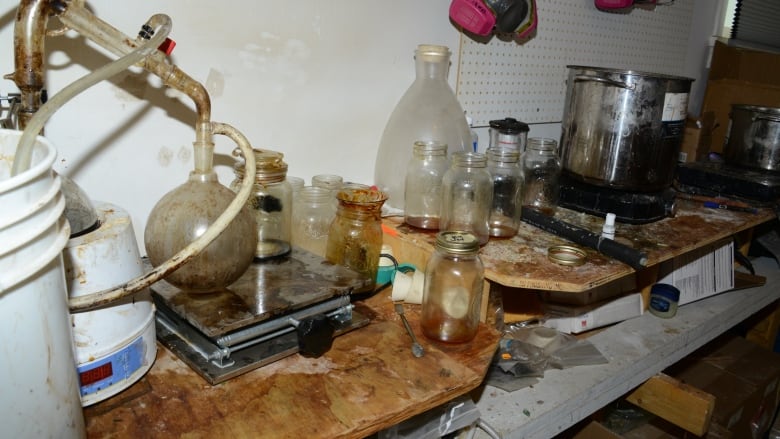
(701, 273)
(573, 320)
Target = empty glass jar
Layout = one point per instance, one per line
(313, 212)
(423, 185)
(541, 175)
(467, 195)
(452, 290)
(504, 167)
(271, 202)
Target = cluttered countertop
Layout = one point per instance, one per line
(522, 261)
(367, 381)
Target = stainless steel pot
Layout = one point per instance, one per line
(754, 137)
(623, 129)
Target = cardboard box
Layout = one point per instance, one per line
(697, 140)
(577, 319)
(701, 273)
(739, 76)
(742, 376)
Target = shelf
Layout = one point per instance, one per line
(637, 349)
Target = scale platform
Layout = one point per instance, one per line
(279, 307)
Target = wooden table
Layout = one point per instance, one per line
(521, 261)
(367, 382)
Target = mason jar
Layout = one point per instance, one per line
(467, 195)
(355, 236)
(313, 212)
(423, 184)
(504, 168)
(452, 290)
(541, 175)
(270, 203)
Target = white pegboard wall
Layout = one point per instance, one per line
(527, 79)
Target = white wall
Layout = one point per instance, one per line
(313, 79)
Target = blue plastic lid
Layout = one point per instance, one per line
(667, 291)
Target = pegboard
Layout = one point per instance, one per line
(526, 79)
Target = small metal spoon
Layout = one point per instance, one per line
(417, 349)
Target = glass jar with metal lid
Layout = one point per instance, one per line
(271, 202)
(453, 288)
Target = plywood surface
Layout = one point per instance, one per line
(368, 381)
(521, 261)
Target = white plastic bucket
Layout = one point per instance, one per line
(40, 387)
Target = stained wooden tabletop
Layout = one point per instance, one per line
(522, 262)
(368, 381)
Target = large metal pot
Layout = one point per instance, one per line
(754, 137)
(623, 129)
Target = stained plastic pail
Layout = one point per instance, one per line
(40, 387)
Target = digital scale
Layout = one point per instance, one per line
(294, 303)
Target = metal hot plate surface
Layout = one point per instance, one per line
(268, 289)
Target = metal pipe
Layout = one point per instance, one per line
(29, 35)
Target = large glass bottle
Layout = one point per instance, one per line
(452, 290)
(504, 167)
(271, 202)
(541, 175)
(355, 236)
(423, 187)
(428, 110)
(467, 195)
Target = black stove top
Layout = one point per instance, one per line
(722, 180)
(628, 207)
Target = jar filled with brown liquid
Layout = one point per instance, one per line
(452, 289)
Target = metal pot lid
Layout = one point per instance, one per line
(756, 108)
(630, 72)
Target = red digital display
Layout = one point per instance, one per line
(94, 375)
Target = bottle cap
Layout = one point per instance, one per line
(457, 242)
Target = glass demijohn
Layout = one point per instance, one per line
(428, 110)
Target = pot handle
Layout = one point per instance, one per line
(580, 78)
